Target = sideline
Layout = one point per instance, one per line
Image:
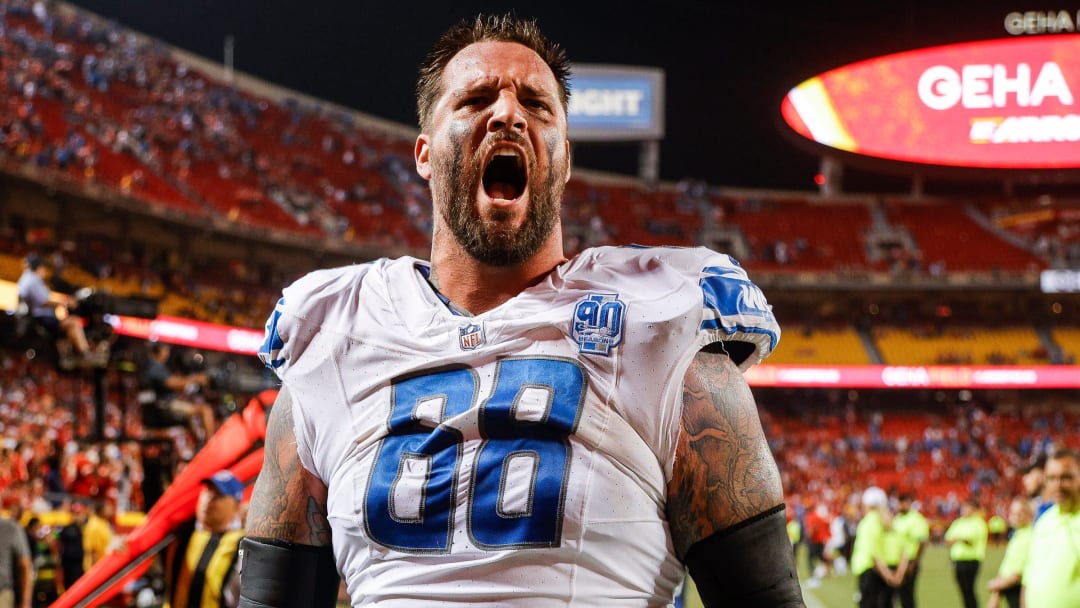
(810, 599)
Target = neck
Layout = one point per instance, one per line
(1068, 507)
(478, 287)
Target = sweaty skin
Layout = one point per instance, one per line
(486, 251)
(288, 502)
(724, 472)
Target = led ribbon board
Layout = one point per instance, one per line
(1005, 104)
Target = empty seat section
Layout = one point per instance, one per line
(801, 344)
(960, 346)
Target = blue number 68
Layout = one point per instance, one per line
(517, 485)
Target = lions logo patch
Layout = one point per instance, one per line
(598, 323)
(470, 336)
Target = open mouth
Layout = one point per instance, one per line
(505, 175)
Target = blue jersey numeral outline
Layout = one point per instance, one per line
(505, 436)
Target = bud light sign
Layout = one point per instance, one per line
(616, 103)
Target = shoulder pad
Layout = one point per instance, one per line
(734, 310)
(315, 297)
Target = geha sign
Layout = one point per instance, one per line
(1008, 103)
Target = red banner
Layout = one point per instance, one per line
(930, 376)
(1008, 103)
(175, 330)
(186, 332)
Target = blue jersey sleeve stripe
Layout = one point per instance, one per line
(716, 324)
(273, 343)
(728, 296)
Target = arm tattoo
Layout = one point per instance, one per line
(320, 527)
(288, 503)
(724, 472)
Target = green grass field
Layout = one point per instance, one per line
(934, 589)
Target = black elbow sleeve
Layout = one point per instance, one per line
(276, 574)
(750, 564)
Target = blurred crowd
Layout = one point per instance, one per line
(94, 102)
(830, 445)
(879, 537)
(44, 462)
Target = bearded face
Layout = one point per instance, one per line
(496, 155)
(502, 172)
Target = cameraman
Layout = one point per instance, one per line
(49, 313)
(166, 392)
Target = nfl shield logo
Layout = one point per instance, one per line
(470, 336)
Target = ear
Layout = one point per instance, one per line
(569, 161)
(422, 156)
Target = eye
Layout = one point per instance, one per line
(473, 100)
(536, 104)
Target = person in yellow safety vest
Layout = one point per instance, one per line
(868, 559)
(967, 537)
(1051, 576)
(913, 527)
(201, 569)
(1008, 581)
(998, 527)
(794, 530)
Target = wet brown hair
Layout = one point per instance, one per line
(486, 28)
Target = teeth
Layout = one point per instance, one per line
(510, 153)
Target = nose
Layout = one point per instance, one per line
(507, 113)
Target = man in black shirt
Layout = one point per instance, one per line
(162, 394)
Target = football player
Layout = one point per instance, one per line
(503, 425)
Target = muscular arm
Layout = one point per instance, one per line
(288, 503)
(724, 472)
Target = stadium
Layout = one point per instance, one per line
(927, 284)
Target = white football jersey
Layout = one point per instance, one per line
(516, 457)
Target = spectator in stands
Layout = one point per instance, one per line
(202, 568)
(164, 395)
(875, 579)
(72, 548)
(913, 528)
(16, 569)
(1051, 576)
(1007, 583)
(37, 501)
(50, 314)
(45, 557)
(967, 537)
